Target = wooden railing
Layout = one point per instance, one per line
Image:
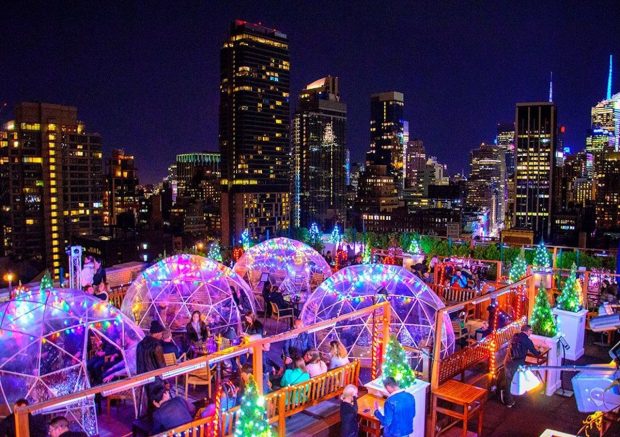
(198, 428)
(117, 294)
(461, 361)
(291, 400)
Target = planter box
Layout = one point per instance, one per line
(543, 277)
(573, 327)
(418, 390)
(551, 377)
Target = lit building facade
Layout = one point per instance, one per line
(389, 134)
(52, 182)
(198, 176)
(535, 146)
(608, 191)
(319, 155)
(415, 166)
(254, 132)
(120, 193)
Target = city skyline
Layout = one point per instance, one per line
(448, 65)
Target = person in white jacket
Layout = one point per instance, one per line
(88, 272)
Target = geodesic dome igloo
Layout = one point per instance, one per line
(171, 289)
(45, 338)
(281, 258)
(414, 308)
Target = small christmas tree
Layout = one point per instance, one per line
(245, 239)
(519, 268)
(252, 419)
(215, 252)
(414, 247)
(46, 282)
(542, 321)
(367, 254)
(315, 234)
(570, 298)
(395, 364)
(541, 258)
(335, 237)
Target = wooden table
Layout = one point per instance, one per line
(369, 424)
(469, 397)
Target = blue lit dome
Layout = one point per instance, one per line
(414, 308)
(283, 260)
(173, 288)
(45, 340)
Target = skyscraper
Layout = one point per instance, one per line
(198, 176)
(319, 155)
(52, 182)
(608, 192)
(388, 135)
(486, 185)
(535, 145)
(254, 132)
(415, 166)
(120, 194)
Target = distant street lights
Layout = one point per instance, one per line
(9, 277)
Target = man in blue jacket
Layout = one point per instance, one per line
(399, 410)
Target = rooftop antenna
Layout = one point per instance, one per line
(609, 77)
(551, 88)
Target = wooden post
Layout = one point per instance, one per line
(281, 415)
(555, 257)
(257, 365)
(585, 288)
(531, 295)
(437, 349)
(22, 424)
(387, 319)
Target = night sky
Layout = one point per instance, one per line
(146, 74)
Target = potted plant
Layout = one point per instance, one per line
(545, 333)
(571, 316)
(541, 266)
(396, 365)
(518, 270)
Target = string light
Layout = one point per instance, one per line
(519, 268)
(215, 252)
(252, 419)
(542, 261)
(395, 364)
(542, 320)
(570, 299)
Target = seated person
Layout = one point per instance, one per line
(296, 375)
(37, 423)
(315, 366)
(270, 369)
(266, 292)
(106, 356)
(251, 325)
(284, 307)
(168, 412)
(459, 280)
(59, 427)
(338, 353)
(296, 347)
(168, 345)
(196, 331)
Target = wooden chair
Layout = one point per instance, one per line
(170, 360)
(199, 377)
(279, 314)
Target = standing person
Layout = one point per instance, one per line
(99, 276)
(150, 351)
(520, 345)
(36, 423)
(59, 427)
(349, 424)
(296, 347)
(87, 273)
(399, 410)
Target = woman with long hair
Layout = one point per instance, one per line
(339, 354)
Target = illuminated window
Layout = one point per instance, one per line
(29, 221)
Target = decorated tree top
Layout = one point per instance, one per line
(215, 252)
(542, 261)
(570, 299)
(395, 364)
(46, 281)
(335, 237)
(543, 321)
(367, 254)
(414, 247)
(252, 419)
(519, 268)
(245, 239)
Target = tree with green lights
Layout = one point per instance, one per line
(519, 268)
(542, 321)
(315, 234)
(245, 240)
(252, 419)
(215, 252)
(46, 281)
(395, 364)
(367, 254)
(569, 299)
(414, 247)
(542, 261)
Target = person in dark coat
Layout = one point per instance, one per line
(37, 423)
(59, 427)
(349, 424)
(168, 345)
(283, 306)
(197, 330)
(150, 352)
(296, 347)
(520, 345)
(168, 412)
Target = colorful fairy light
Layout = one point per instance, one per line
(314, 234)
(542, 320)
(542, 261)
(215, 252)
(570, 299)
(252, 419)
(395, 364)
(245, 239)
(519, 268)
